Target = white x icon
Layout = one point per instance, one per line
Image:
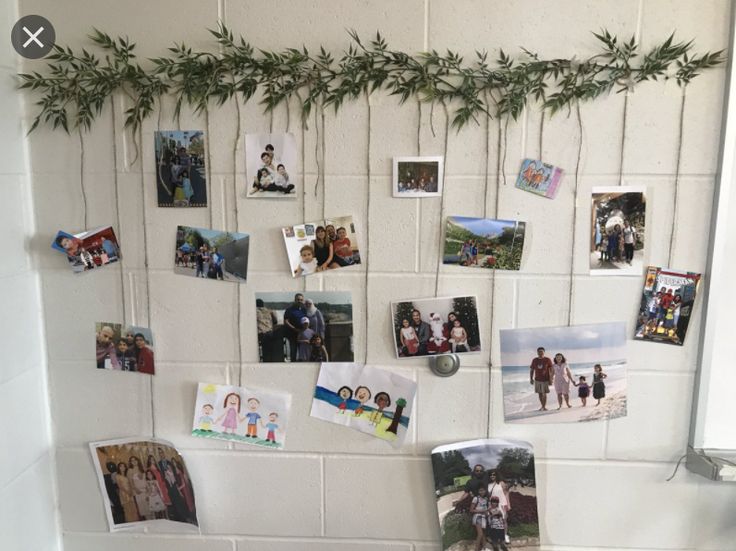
(33, 37)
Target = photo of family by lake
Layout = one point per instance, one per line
(370, 400)
(211, 254)
(484, 243)
(433, 326)
(270, 165)
(128, 349)
(321, 246)
(181, 179)
(618, 222)
(539, 178)
(314, 326)
(246, 415)
(666, 305)
(143, 482)
(88, 250)
(486, 493)
(418, 176)
(564, 374)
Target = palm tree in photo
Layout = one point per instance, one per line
(394, 426)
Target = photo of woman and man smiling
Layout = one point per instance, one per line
(270, 165)
(321, 246)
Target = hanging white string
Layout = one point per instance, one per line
(208, 160)
(575, 214)
(442, 200)
(117, 205)
(488, 145)
(81, 179)
(324, 163)
(541, 134)
(492, 279)
(418, 199)
(623, 139)
(238, 309)
(316, 150)
(677, 179)
(366, 250)
(303, 122)
(270, 121)
(505, 147)
(288, 116)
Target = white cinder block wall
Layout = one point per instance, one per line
(601, 485)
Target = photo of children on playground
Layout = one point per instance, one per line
(124, 349)
(367, 399)
(321, 246)
(486, 495)
(484, 243)
(417, 176)
(666, 305)
(270, 165)
(88, 250)
(251, 416)
(432, 326)
(181, 179)
(618, 220)
(211, 254)
(143, 482)
(539, 178)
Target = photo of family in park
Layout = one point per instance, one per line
(124, 349)
(418, 176)
(270, 165)
(371, 400)
(486, 493)
(250, 416)
(666, 305)
(88, 250)
(484, 243)
(618, 222)
(564, 374)
(211, 254)
(432, 326)
(321, 246)
(539, 178)
(314, 326)
(181, 179)
(143, 482)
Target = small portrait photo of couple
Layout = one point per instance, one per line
(181, 180)
(539, 178)
(88, 250)
(321, 246)
(211, 254)
(124, 349)
(432, 326)
(415, 177)
(484, 243)
(271, 165)
(617, 231)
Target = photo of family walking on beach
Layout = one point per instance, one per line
(433, 326)
(617, 231)
(314, 326)
(484, 243)
(539, 178)
(211, 254)
(181, 179)
(486, 493)
(321, 246)
(128, 349)
(564, 374)
(143, 482)
(88, 250)
(418, 176)
(270, 165)
(666, 305)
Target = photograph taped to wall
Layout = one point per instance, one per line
(367, 399)
(617, 231)
(484, 243)
(564, 374)
(321, 246)
(486, 493)
(313, 326)
(667, 303)
(246, 415)
(124, 349)
(539, 178)
(271, 165)
(418, 176)
(433, 326)
(211, 254)
(143, 482)
(89, 249)
(181, 178)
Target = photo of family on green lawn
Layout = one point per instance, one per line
(484, 243)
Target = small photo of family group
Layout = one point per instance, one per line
(484, 243)
(124, 349)
(270, 165)
(666, 305)
(539, 178)
(181, 180)
(432, 326)
(321, 246)
(564, 374)
(486, 495)
(211, 254)
(90, 249)
(367, 399)
(617, 231)
(226, 412)
(314, 326)
(418, 176)
(143, 481)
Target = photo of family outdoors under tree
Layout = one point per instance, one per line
(617, 230)
(211, 254)
(484, 243)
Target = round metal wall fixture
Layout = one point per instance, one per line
(445, 365)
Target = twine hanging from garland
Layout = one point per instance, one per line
(677, 179)
(366, 249)
(238, 308)
(571, 292)
(116, 186)
(440, 248)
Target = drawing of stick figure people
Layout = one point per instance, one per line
(205, 420)
(231, 414)
(271, 427)
(362, 394)
(382, 400)
(253, 417)
(345, 393)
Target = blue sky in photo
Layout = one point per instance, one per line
(482, 226)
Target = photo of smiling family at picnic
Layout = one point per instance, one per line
(181, 180)
(270, 163)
